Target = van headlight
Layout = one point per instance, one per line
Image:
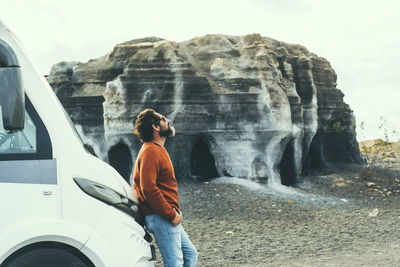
(111, 197)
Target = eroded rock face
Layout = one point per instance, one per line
(246, 106)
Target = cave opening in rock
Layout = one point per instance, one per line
(314, 159)
(119, 156)
(202, 163)
(287, 166)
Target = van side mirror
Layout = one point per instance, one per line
(12, 97)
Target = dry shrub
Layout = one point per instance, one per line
(367, 174)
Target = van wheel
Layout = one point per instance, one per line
(47, 257)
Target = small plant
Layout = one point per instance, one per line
(366, 149)
(381, 142)
(378, 152)
(389, 133)
(337, 125)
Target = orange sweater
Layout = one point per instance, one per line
(154, 181)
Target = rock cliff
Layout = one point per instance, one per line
(246, 106)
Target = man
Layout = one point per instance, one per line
(156, 188)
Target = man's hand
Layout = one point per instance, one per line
(177, 220)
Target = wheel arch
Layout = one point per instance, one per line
(43, 232)
(47, 244)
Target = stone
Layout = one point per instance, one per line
(338, 180)
(390, 160)
(243, 106)
(374, 213)
(370, 190)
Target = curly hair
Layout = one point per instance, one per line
(143, 124)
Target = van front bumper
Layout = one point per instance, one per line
(118, 240)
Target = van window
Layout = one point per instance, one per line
(33, 142)
(18, 142)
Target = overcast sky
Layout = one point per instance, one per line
(360, 38)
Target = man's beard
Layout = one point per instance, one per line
(169, 132)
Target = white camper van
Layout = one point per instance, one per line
(59, 205)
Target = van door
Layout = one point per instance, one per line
(28, 174)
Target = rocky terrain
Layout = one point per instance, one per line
(243, 106)
(381, 153)
(345, 216)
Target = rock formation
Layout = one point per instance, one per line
(246, 106)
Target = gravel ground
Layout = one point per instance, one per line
(332, 225)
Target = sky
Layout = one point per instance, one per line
(360, 38)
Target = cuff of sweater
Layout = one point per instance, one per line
(171, 215)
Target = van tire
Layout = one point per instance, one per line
(47, 257)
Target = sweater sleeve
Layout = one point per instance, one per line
(149, 167)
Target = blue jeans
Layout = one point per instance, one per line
(174, 244)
